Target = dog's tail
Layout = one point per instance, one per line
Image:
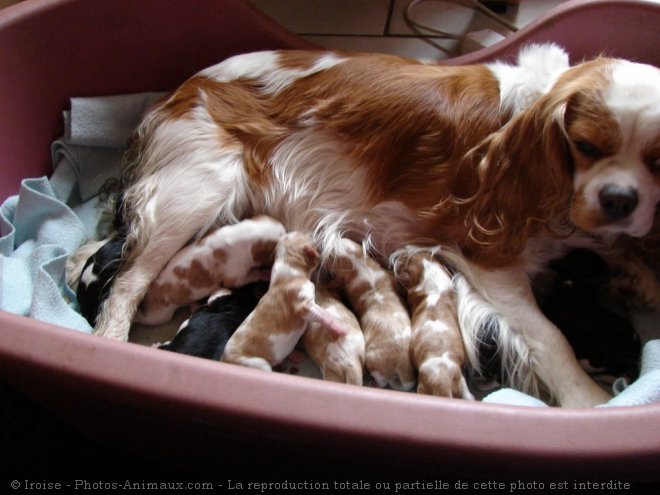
(494, 350)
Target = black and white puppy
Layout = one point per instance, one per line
(207, 331)
(597, 328)
(97, 275)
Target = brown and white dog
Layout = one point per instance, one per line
(270, 333)
(340, 358)
(384, 319)
(231, 256)
(437, 346)
(508, 164)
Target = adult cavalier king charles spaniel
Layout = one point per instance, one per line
(496, 167)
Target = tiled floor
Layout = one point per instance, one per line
(379, 25)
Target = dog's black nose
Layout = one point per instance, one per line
(618, 202)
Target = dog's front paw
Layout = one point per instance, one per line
(111, 334)
(581, 399)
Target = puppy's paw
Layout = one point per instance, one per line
(391, 367)
(255, 362)
(350, 373)
(443, 377)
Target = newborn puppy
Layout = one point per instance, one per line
(271, 331)
(384, 319)
(206, 332)
(340, 359)
(231, 256)
(579, 303)
(98, 272)
(437, 346)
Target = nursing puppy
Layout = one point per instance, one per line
(580, 303)
(271, 331)
(384, 319)
(93, 281)
(231, 256)
(437, 346)
(340, 358)
(206, 333)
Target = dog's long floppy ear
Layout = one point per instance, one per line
(524, 173)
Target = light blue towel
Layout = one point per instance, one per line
(513, 398)
(49, 219)
(646, 389)
(38, 232)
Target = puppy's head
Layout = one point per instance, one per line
(298, 249)
(409, 269)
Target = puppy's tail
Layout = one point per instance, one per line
(494, 349)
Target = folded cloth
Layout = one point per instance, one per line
(90, 167)
(49, 219)
(512, 398)
(96, 131)
(38, 231)
(646, 389)
(105, 121)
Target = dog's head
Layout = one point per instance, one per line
(588, 151)
(610, 120)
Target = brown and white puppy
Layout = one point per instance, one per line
(340, 358)
(208, 329)
(271, 331)
(231, 256)
(437, 346)
(384, 319)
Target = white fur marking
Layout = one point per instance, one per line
(88, 276)
(538, 68)
(265, 68)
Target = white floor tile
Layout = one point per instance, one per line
(405, 47)
(364, 25)
(447, 16)
(460, 18)
(529, 10)
(366, 17)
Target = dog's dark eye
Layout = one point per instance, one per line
(587, 149)
(654, 165)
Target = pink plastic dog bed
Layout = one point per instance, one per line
(128, 395)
